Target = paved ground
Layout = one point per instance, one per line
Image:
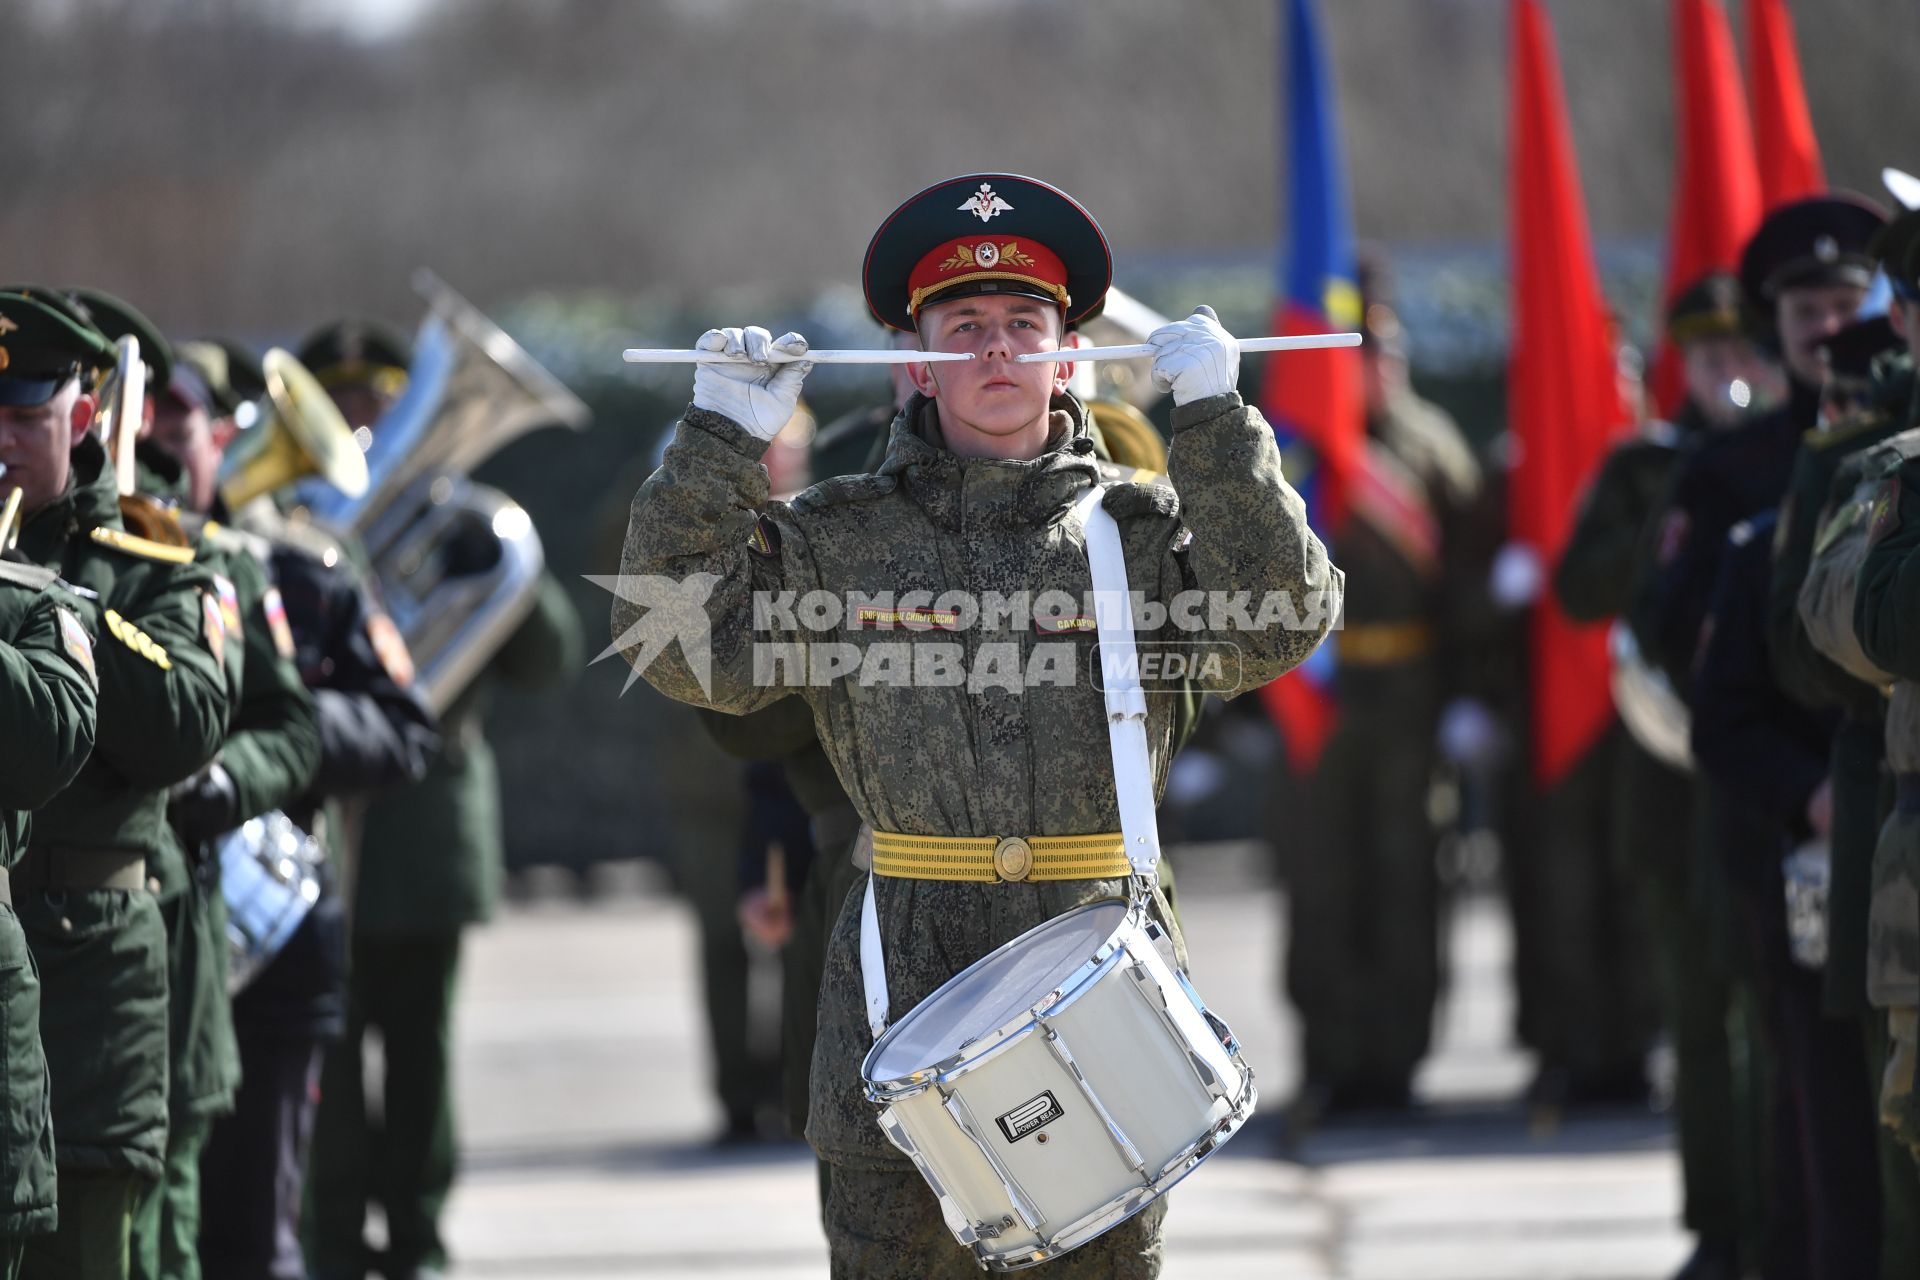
(584, 1110)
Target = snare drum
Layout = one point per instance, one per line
(1059, 1085)
(270, 878)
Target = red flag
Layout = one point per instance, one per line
(1716, 187)
(1563, 398)
(1783, 138)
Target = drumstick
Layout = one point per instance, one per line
(1141, 350)
(648, 355)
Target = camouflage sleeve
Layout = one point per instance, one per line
(1825, 602)
(164, 693)
(47, 701)
(273, 746)
(1801, 667)
(771, 733)
(1594, 578)
(702, 540)
(1249, 534)
(1886, 612)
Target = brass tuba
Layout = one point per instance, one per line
(299, 433)
(458, 563)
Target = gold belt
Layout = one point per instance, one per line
(1380, 644)
(985, 859)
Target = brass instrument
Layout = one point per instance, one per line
(118, 418)
(1653, 713)
(120, 410)
(299, 432)
(10, 520)
(458, 563)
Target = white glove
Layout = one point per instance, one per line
(1518, 576)
(760, 395)
(1469, 734)
(1195, 358)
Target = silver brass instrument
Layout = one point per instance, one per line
(270, 878)
(458, 562)
(10, 520)
(1653, 713)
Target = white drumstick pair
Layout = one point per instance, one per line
(1137, 351)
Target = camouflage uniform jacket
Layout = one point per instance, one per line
(1886, 623)
(965, 760)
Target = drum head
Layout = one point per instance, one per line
(994, 990)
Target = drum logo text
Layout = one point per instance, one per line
(1029, 1116)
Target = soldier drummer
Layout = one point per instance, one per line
(982, 467)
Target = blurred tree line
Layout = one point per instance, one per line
(609, 174)
(227, 164)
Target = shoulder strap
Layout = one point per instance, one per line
(1120, 678)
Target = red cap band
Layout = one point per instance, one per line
(987, 257)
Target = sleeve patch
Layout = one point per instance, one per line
(1673, 537)
(229, 603)
(765, 538)
(1886, 512)
(276, 611)
(391, 648)
(78, 644)
(137, 640)
(213, 627)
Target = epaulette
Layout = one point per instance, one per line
(308, 539)
(1848, 428)
(237, 541)
(840, 490)
(27, 575)
(1136, 499)
(140, 548)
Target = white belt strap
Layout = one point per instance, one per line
(1120, 676)
(873, 964)
(1126, 733)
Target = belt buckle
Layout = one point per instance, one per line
(1013, 859)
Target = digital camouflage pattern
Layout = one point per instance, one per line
(950, 760)
(1886, 620)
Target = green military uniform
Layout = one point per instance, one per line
(270, 756)
(48, 690)
(1358, 855)
(429, 866)
(1651, 832)
(95, 922)
(1885, 627)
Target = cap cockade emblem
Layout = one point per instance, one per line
(986, 256)
(984, 204)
